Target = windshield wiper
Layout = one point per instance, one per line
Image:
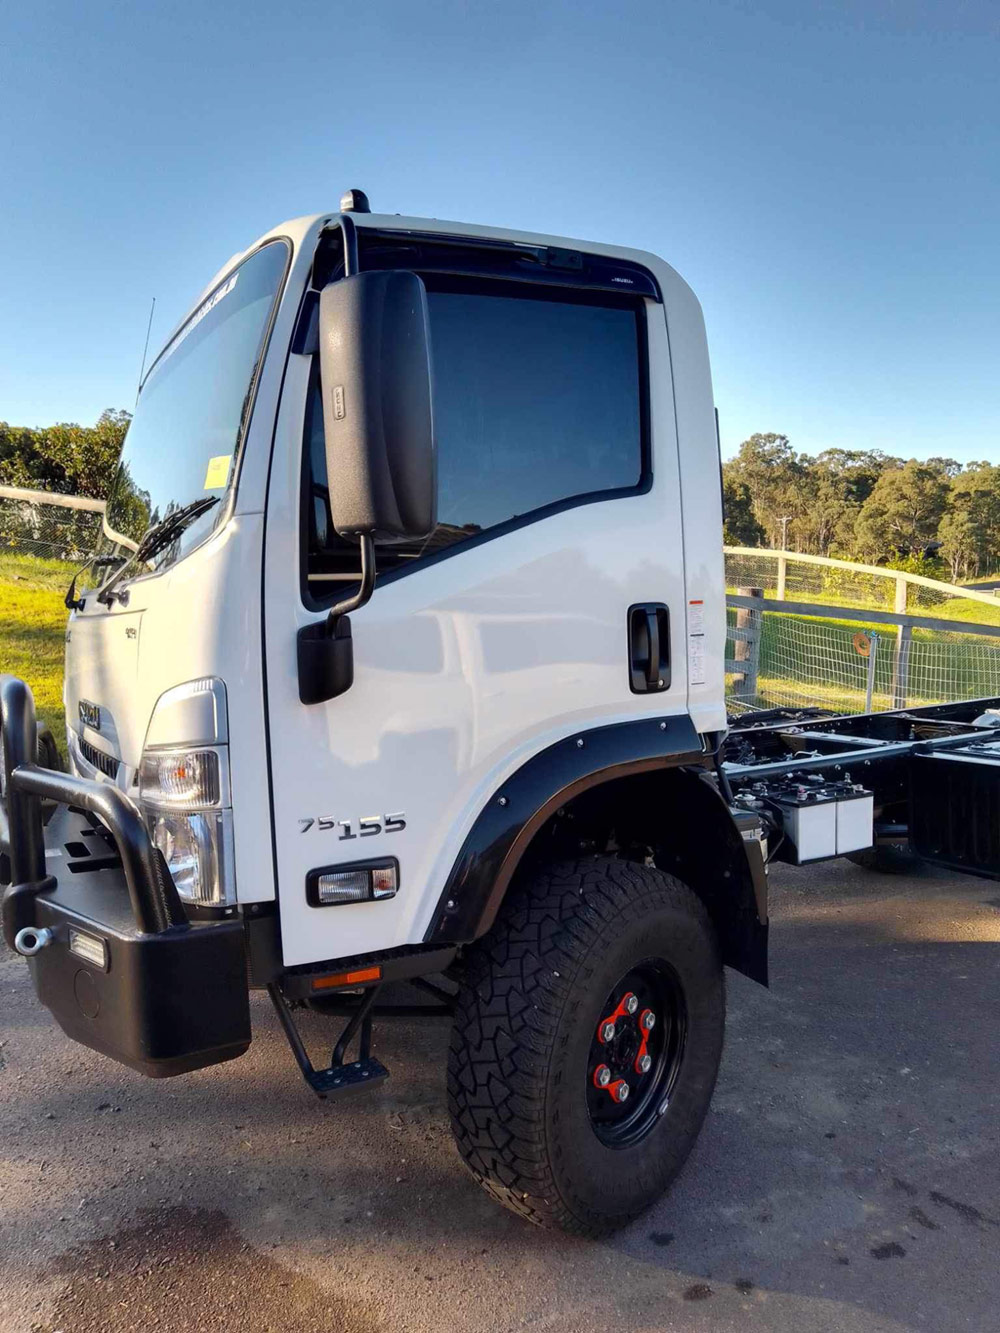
(157, 538)
(71, 601)
(161, 534)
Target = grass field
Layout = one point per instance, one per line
(32, 625)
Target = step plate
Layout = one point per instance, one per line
(345, 1078)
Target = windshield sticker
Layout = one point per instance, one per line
(201, 312)
(217, 472)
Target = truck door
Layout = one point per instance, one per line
(507, 629)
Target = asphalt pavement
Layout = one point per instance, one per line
(847, 1178)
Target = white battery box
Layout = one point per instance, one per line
(821, 818)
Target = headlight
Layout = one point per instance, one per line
(198, 849)
(184, 792)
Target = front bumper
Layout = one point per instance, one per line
(163, 995)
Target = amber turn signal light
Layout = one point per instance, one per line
(358, 978)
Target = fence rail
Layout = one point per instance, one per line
(791, 574)
(48, 525)
(26, 496)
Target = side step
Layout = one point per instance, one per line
(338, 1076)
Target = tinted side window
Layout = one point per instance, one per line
(536, 401)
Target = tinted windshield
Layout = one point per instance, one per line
(184, 441)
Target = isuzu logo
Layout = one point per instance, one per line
(90, 714)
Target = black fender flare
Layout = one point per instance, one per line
(720, 852)
(521, 804)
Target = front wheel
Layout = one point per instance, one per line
(586, 1043)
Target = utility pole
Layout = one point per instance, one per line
(784, 530)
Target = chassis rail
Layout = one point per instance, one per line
(932, 774)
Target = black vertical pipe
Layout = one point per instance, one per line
(24, 809)
(350, 234)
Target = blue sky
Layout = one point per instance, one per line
(824, 175)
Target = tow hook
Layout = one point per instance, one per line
(32, 939)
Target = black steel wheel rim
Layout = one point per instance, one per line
(621, 1122)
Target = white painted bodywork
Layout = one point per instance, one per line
(464, 668)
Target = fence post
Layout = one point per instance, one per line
(901, 666)
(747, 645)
(870, 675)
(782, 572)
(901, 591)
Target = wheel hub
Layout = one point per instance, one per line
(635, 1053)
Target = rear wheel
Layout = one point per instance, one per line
(586, 1043)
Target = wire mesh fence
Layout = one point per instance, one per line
(35, 526)
(806, 661)
(840, 662)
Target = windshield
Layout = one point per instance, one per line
(184, 440)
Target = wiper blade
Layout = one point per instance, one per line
(162, 534)
(159, 536)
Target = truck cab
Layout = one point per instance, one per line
(405, 633)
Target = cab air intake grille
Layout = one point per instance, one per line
(107, 763)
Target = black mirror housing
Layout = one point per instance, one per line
(375, 363)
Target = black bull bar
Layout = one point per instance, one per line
(112, 952)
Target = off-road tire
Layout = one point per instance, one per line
(524, 1022)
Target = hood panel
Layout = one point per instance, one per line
(102, 659)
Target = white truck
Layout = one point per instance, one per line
(402, 657)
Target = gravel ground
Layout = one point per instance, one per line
(848, 1176)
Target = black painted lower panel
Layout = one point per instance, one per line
(520, 805)
(165, 1004)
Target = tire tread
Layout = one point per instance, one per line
(507, 1022)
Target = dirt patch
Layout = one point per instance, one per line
(890, 1250)
(965, 1210)
(188, 1270)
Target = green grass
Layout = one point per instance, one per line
(32, 629)
(952, 608)
(963, 608)
(35, 571)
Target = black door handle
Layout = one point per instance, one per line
(648, 647)
(653, 662)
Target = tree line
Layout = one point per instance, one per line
(67, 458)
(860, 504)
(934, 516)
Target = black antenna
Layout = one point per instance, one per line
(145, 348)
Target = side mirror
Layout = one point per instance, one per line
(375, 364)
(381, 463)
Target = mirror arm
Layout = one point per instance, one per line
(350, 235)
(325, 649)
(365, 588)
